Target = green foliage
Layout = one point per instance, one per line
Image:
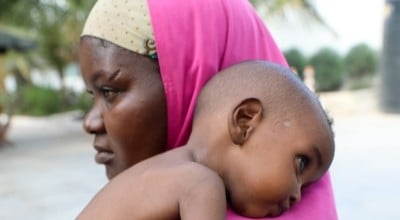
(5, 102)
(278, 6)
(18, 12)
(361, 83)
(328, 67)
(38, 101)
(54, 25)
(305, 8)
(296, 59)
(361, 61)
(82, 101)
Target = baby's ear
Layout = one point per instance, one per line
(244, 119)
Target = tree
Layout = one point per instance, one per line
(55, 25)
(18, 13)
(296, 60)
(328, 69)
(360, 61)
(305, 8)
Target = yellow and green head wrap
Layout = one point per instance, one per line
(125, 23)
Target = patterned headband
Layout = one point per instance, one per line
(125, 23)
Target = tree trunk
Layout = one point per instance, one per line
(63, 90)
(390, 65)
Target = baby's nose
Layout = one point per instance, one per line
(295, 196)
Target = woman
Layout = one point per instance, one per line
(145, 93)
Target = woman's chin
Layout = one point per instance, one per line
(111, 172)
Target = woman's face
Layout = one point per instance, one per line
(128, 117)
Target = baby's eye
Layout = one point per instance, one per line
(303, 162)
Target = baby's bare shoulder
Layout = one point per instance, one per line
(179, 169)
(197, 177)
(199, 172)
(184, 175)
(203, 196)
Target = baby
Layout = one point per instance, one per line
(259, 135)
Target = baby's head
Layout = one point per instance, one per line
(269, 136)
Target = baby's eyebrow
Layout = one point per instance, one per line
(318, 155)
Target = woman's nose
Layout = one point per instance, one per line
(93, 122)
(296, 195)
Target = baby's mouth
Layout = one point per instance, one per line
(277, 211)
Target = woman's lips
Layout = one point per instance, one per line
(103, 157)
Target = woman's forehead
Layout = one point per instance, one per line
(102, 50)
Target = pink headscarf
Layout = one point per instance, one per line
(197, 38)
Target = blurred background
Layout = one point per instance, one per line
(348, 52)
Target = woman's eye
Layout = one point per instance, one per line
(108, 93)
(303, 162)
(89, 93)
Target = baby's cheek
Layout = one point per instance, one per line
(277, 190)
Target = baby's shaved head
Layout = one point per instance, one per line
(255, 122)
(282, 93)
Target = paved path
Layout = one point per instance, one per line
(49, 171)
(366, 165)
(366, 168)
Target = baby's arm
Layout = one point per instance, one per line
(190, 190)
(204, 197)
(136, 195)
(112, 202)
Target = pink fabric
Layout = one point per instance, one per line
(197, 38)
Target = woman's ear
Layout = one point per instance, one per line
(244, 119)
